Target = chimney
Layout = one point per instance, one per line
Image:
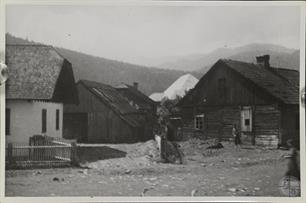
(263, 60)
(135, 85)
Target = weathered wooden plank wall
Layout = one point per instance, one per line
(221, 114)
(104, 125)
(218, 123)
(290, 123)
(267, 125)
(239, 91)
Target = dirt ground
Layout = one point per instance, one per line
(135, 171)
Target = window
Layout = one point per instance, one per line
(246, 119)
(44, 120)
(57, 119)
(7, 121)
(199, 121)
(247, 122)
(222, 89)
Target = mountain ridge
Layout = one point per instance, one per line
(110, 71)
(153, 79)
(280, 56)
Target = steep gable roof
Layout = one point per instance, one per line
(111, 97)
(280, 83)
(275, 83)
(34, 72)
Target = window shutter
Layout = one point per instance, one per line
(44, 121)
(7, 121)
(57, 119)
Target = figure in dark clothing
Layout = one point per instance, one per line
(293, 163)
(236, 136)
(170, 132)
(163, 148)
(169, 151)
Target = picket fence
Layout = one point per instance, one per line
(41, 152)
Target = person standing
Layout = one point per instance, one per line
(294, 161)
(236, 137)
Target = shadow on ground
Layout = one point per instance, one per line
(92, 154)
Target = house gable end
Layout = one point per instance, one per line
(238, 90)
(124, 117)
(65, 88)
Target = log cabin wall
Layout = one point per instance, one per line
(218, 123)
(222, 107)
(267, 126)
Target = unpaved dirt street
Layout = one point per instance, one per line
(224, 172)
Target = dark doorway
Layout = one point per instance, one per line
(75, 126)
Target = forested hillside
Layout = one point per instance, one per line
(113, 72)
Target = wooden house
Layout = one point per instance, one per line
(40, 82)
(141, 102)
(262, 101)
(103, 115)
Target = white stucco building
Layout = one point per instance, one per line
(40, 82)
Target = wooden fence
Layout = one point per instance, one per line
(42, 152)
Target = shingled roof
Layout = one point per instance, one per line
(38, 72)
(133, 94)
(290, 75)
(111, 97)
(278, 82)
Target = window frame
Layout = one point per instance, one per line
(199, 119)
(244, 127)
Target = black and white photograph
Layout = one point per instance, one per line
(152, 99)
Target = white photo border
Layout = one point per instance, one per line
(4, 3)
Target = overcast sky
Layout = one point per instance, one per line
(137, 34)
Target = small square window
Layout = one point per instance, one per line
(247, 122)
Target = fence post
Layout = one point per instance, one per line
(30, 149)
(74, 154)
(10, 153)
